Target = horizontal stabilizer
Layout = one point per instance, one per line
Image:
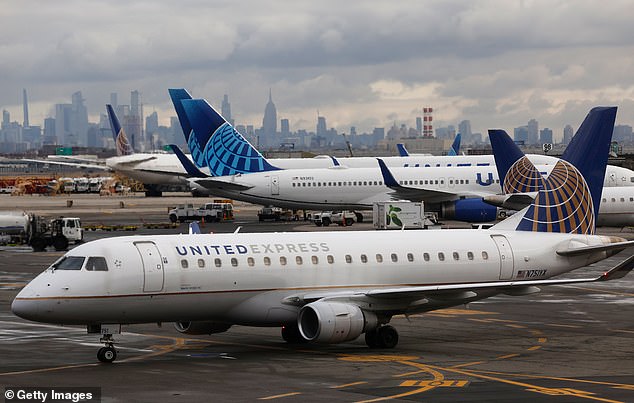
(586, 250)
(516, 201)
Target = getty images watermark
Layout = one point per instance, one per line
(21, 394)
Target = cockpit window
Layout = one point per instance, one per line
(70, 263)
(96, 263)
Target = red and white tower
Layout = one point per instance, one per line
(428, 127)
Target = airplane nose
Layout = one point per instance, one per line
(26, 309)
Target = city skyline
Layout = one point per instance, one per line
(496, 63)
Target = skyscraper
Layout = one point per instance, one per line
(464, 128)
(285, 127)
(568, 132)
(321, 126)
(269, 122)
(226, 109)
(135, 121)
(545, 136)
(25, 107)
(533, 131)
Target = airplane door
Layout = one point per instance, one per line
(275, 185)
(506, 256)
(452, 182)
(152, 266)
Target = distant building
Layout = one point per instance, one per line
(285, 127)
(520, 135)
(269, 122)
(568, 133)
(622, 134)
(546, 136)
(49, 136)
(419, 125)
(151, 123)
(464, 128)
(428, 126)
(322, 129)
(225, 109)
(533, 131)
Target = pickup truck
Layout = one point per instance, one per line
(209, 212)
(341, 218)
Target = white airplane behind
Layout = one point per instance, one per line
(329, 287)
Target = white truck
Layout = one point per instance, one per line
(401, 215)
(341, 218)
(40, 232)
(216, 211)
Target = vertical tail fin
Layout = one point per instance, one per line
(177, 95)
(569, 199)
(455, 146)
(120, 139)
(517, 174)
(225, 151)
(402, 151)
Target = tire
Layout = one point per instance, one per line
(387, 337)
(60, 243)
(107, 354)
(359, 217)
(318, 223)
(326, 221)
(38, 244)
(371, 338)
(349, 222)
(173, 218)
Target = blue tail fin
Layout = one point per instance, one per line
(226, 151)
(120, 138)
(455, 146)
(570, 198)
(402, 151)
(190, 168)
(178, 95)
(517, 174)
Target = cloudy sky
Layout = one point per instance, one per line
(362, 63)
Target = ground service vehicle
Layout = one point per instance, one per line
(40, 232)
(401, 215)
(210, 212)
(326, 218)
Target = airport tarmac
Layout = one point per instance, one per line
(565, 344)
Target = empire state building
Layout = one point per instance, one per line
(269, 123)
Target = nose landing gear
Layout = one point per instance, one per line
(108, 353)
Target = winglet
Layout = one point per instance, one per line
(455, 146)
(388, 178)
(402, 151)
(190, 168)
(226, 151)
(120, 138)
(335, 162)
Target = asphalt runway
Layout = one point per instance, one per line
(565, 344)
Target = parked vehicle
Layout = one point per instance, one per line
(270, 213)
(326, 218)
(208, 212)
(401, 215)
(40, 232)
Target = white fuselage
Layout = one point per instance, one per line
(248, 278)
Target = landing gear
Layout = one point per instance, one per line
(291, 334)
(382, 337)
(108, 353)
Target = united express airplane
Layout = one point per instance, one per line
(330, 287)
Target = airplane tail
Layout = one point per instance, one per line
(177, 95)
(455, 146)
(120, 139)
(402, 151)
(226, 152)
(516, 172)
(568, 200)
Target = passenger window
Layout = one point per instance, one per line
(394, 257)
(299, 260)
(426, 257)
(485, 255)
(379, 258)
(456, 256)
(330, 259)
(250, 261)
(314, 259)
(218, 262)
(234, 262)
(96, 263)
(267, 261)
(622, 199)
(201, 263)
(70, 263)
(364, 259)
(348, 259)
(283, 260)
(184, 263)
(410, 257)
(441, 256)
(470, 255)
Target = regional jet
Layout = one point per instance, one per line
(331, 287)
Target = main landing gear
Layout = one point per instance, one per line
(382, 337)
(291, 334)
(107, 353)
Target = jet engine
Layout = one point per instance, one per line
(333, 322)
(201, 327)
(469, 210)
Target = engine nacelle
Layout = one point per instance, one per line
(469, 210)
(201, 327)
(333, 322)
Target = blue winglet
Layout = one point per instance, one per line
(335, 162)
(455, 146)
(120, 138)
(388, 178)
(226, 151)
(402, 151)
(190, 168)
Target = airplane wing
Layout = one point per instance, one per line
(134, 159)
(405, 298)
(78, 165)
(216, 183)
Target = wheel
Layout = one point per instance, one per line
(107, 354)
(387, 337)
(371, 338)
(359, 216)
(173, 218)
(38, 244)
(318, 223)
(326, 221)
(349, 222)
(60, 243)
(291, 334)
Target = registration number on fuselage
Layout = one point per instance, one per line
(531, 273)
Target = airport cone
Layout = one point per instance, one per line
(202, 221)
